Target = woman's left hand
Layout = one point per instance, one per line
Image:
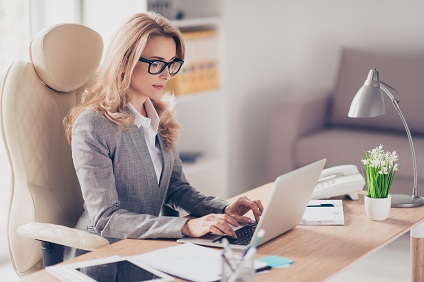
(240, 207)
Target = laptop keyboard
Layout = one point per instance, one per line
(244, 235)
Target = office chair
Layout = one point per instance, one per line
(45, 198)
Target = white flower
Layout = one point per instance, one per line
(386, 162)
(375, 163)
(395, 167)
(380, 167)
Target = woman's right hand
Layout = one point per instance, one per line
(215, 223)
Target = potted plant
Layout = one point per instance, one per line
(380, 170)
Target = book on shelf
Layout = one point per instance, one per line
(200, 69)
(190, 157)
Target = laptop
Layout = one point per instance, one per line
(287, 204)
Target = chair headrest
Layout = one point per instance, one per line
(65, 56)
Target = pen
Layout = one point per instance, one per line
(321, 206)
(228, 254)
(256, 242)
(267, 267)
(249, 256)
(230, 265)
(227, 248)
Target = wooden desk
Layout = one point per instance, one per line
(318, 251)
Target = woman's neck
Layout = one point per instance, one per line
(139, 105)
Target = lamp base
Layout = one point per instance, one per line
(406, 201)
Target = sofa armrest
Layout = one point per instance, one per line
(62, 235)
(290, 119)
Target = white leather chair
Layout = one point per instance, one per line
(46, 199)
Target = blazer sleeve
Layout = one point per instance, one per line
(91, 141)
(182, 195)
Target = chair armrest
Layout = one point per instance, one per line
(291, 118)
(62, 235)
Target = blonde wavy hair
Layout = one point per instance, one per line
(112, 89)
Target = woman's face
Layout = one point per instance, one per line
(145, 85)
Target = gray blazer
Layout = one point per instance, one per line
(119, 184)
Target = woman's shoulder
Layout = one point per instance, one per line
(92, 118)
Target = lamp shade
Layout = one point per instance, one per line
(368, 101)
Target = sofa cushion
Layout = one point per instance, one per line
(346, 146)
(405, 73)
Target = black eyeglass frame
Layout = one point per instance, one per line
(165, 64)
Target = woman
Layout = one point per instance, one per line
(123, 138)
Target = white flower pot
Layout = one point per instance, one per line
(377, 208)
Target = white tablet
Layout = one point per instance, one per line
(76, 271)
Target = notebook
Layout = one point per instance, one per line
(287, 203)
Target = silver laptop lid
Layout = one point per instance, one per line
(288, 200)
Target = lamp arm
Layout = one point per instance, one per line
(395, 103)
(388, 92)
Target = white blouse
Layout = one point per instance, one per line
(150, 127)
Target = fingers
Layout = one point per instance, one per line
(261, 209)
(256, 206)
(229, 219)
(242, 219)
(253, 206)
(220, 224)
(216, 223)
(259, 205)
(215, 230)
(223, 228)
(224, 224)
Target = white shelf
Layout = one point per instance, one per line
(198, 22)
(193, 97)
(207, 176)
(200, 165)
(201, 114)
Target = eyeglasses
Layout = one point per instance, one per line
(157, 66)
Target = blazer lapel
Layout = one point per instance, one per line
(137, 138)
(156, 191)
(166, 160)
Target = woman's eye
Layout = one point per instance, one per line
(156, 64)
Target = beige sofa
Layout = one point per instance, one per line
(309, 127)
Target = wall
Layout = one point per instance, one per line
(45, 13)
(299, 45)
(105, 16)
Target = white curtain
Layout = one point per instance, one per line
(14, 33)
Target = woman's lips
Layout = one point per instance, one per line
(159, 87)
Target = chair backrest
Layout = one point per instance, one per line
(36, 96)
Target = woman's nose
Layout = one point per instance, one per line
(165, 74)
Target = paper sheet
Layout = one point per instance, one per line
(323, 215)
(188, 261)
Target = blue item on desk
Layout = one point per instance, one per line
(276, 261)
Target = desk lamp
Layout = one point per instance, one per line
(368, 102)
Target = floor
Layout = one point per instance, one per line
(390, 264)
(6, 270)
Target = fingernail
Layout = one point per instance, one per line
(249, 220)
